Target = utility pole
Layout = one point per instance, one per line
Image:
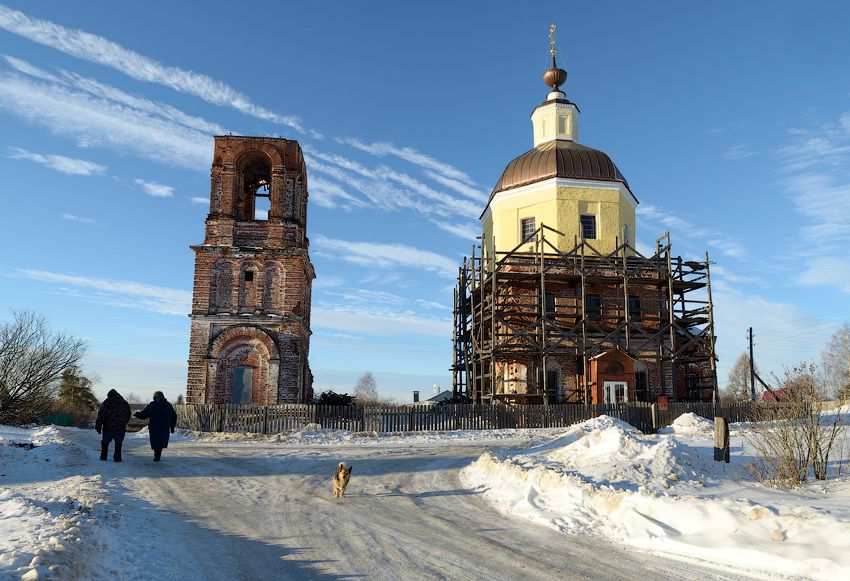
(752, 367)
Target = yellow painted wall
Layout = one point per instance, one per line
(560, 208)
(554, 121)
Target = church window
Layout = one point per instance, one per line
(262, 202)
(625, 233)
(269, 284)
(527, 229)
(593, 306)
(249, 275)
(634, 306)
(221, 281)
(549, 304)
(588, 226)
(562, 124)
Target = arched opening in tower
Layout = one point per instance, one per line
(254, 201)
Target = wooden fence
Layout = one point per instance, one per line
(280, 418)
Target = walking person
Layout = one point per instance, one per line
(112, 419)
(163, 420)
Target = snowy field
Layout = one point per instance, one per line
(664, 493)
(445, 505)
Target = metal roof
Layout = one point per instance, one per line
(559, 158)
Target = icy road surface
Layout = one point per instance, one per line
(240, 509)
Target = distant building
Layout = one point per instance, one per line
(250, 336)
(558, 305)
(439, 398)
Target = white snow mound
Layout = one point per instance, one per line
(688, 424)
(665, 493)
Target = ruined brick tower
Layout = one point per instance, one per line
(250, 316)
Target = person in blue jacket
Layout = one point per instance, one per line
(163, 420)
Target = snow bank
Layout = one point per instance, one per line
(46, 522)
(665, 493)
(689, 423)
(178, 436)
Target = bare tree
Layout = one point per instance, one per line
(134, 398)
(32, 358)
(365, 390)
(738, 382)
(836, 362)
(798, 434)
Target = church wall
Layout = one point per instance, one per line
(560, 208)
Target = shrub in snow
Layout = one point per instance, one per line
(797, 435)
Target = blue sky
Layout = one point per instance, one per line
(731, 121)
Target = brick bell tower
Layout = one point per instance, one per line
(250, 337)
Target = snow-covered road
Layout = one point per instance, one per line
(262, 510)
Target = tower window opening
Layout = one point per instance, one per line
(562, 124)
(254, 189)
(262, 201)
(588, 226)
(527, 229)
(249, 275)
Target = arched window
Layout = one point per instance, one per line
(253, 199)
(271, 290)
(615, 368)
(248, 283)
(221, 286)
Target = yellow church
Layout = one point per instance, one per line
(557, 305)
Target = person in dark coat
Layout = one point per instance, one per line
(112, 418)
(163, 420)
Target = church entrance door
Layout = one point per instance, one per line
(243, 383)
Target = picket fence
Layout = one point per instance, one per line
(273, 419)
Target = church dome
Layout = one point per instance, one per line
(559, 158)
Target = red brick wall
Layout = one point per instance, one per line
(276, 303)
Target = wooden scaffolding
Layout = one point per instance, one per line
(532, 302)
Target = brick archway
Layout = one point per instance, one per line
(243, 346)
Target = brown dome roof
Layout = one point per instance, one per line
(562, 159)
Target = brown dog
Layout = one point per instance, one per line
(340, 479)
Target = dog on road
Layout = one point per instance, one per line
(340, 479)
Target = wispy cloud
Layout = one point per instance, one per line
(120, 293)
(97, 49)
(739, 151)
(98, 122)
(155, 189)
(814, 171)
(410, 155)
(433, 305)
(684, 227)
(826, 270)
(66, 165)
(778, 327)
(384, 188)
(467, 230)
(383, 255)
(458, 186)
(376, 322)
(329, 194)
(79, 219)
(198, 201)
